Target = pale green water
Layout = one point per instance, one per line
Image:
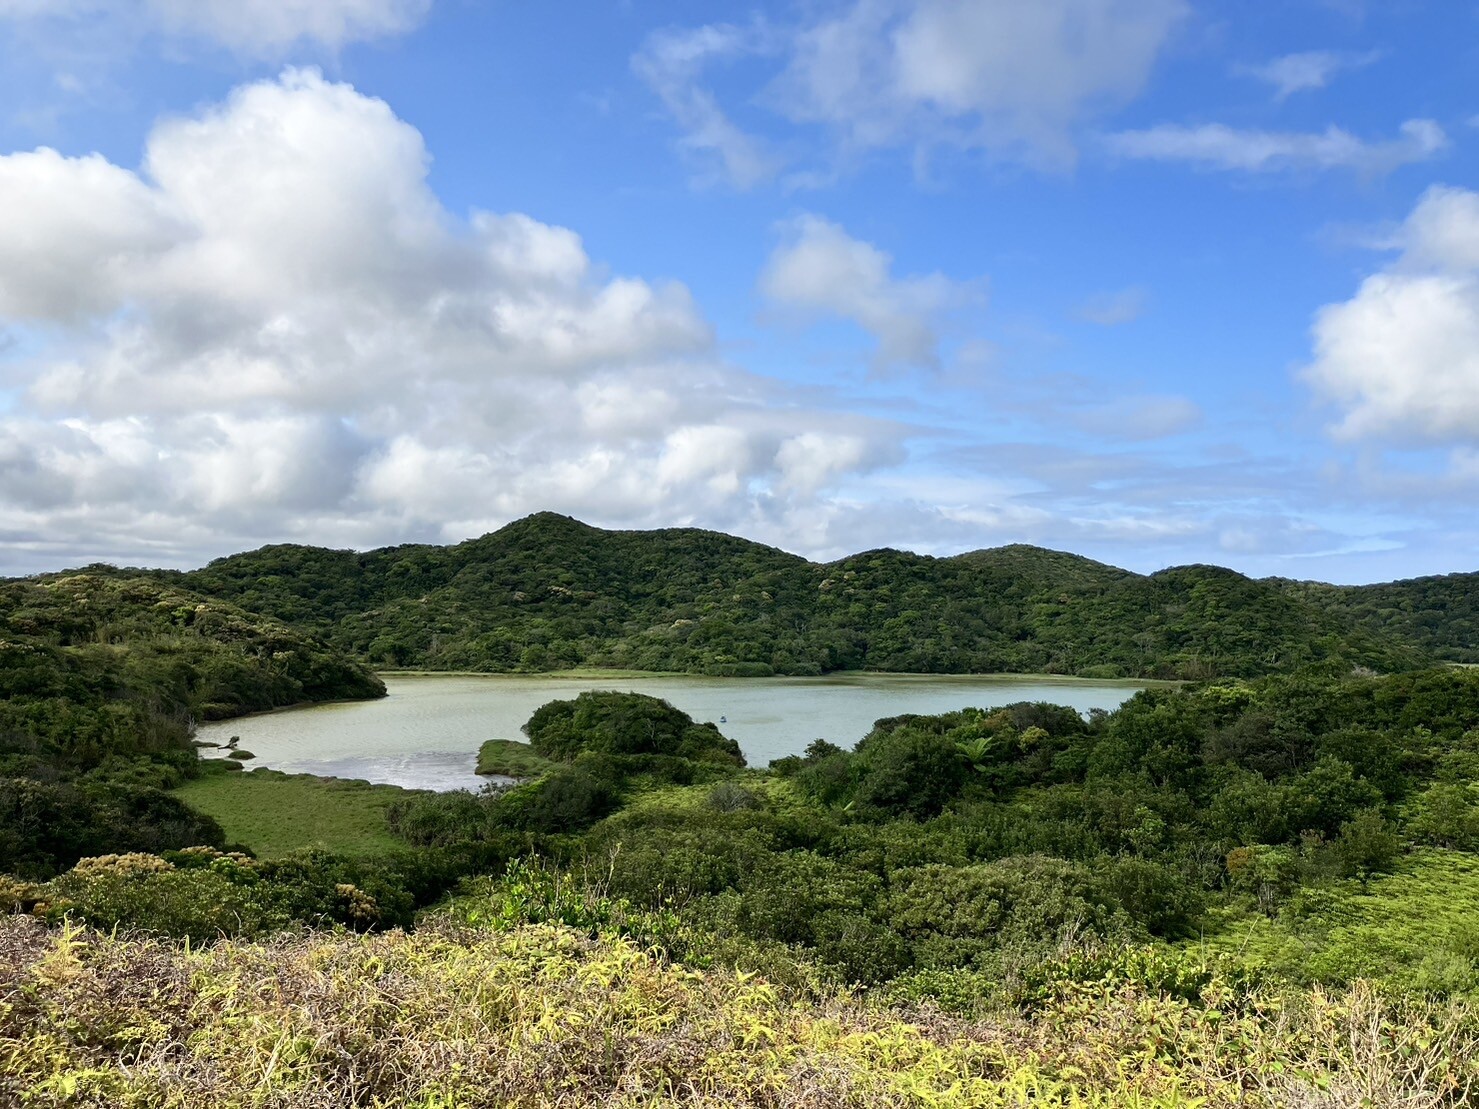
(426, 733)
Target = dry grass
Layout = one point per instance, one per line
(540, 1016)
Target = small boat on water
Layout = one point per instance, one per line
(724, 720)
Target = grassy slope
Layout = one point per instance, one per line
(275, 814)
(1413, 927)
(545, 1016)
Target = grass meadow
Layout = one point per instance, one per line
(276, 814)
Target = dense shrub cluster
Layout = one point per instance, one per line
(983, 841)
(610, 723)
(599, 748)
(204, 894)
(979, 842)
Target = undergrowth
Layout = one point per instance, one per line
(504, 1012)
(1412, 929)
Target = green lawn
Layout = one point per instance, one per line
(275, 814)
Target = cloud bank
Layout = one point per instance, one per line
(274, 328)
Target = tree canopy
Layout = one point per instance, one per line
(550, 593)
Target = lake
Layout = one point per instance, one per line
(425, 734)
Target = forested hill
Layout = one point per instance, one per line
(102, 675)
(548, 592)
(1438, 614)
(192, 655)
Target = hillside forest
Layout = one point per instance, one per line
(550, 593)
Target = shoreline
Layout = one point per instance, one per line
(590, 674)
(585, 675)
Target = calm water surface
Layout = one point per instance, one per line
(426, 733)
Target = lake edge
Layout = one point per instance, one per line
(586, 674)
(427, 732)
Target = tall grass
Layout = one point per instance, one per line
(541, 1015)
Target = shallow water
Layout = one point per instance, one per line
(426, 733)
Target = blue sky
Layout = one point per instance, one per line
(1156, 281)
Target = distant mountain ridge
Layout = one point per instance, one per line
(548, 592)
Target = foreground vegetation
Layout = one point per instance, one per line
(944, 856)
(518, 1013)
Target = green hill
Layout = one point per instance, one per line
(1439, 614)
(548, 592)
(102, 676)
(194, 655)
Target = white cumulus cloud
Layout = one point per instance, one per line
(86, 223)
(1400, 359)
(813, 459)
(273, 328)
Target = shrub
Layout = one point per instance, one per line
(197, 903)
(1157, 898)
(652, 865)
(1447, 815)
(570, 799)
(862, 949)
(625, 724)
(45, 827)
(732, 797)
(907, 772)
(960, 916)
(1367, 845)
(785, 899)
(1268, 874)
